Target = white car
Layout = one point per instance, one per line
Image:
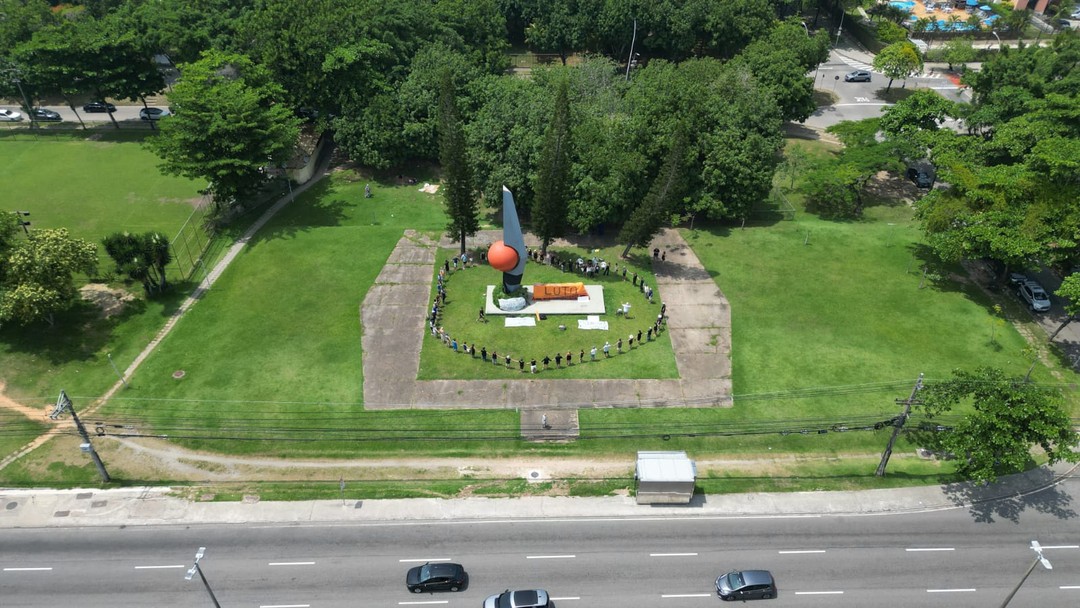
(153, 113)
(9, 116)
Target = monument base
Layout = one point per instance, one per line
(592, 306)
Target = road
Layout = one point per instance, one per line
(955, 558)
(859, 100)
(122, 114)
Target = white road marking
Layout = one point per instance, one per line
(862, 99)
(1069, 587)
(1061, 546)
(284, 605)
(801, 552)
(564, 598)
(27, 569)
(930, 549)
(949, 590)
(425, 560)
(819, 593)
(421, 603)
(159, 567)
(677, 595)
(550, 556)
(672, 554)
(291, 564)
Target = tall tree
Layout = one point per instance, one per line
(457, 181)
(898, 60)
(228, 127)
(40, 277)
(656, 209)
(553, 175)
(1008, 417)
(142, 257)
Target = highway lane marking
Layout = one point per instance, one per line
(291, 564)
(284, 605)
(1061, 546)
(550, 556)
(27, 569)
(819, 593)
(673, 555)
(949, 590)
(421, 603)
(678, 595)
(159, 567)
(917, 549)
(1069, 587)
(801, 552)
(425, 560)
(566, 597)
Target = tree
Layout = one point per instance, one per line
(898, 60)
(142, 257)
(229, 126)
(39, 281)
(959, 50)
(1070, 291)
(553, 174)
(558, 26)
(457, 182)
(1008, 416)
(656, 209)
(9, 232)
(923, 110)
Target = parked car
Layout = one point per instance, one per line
(531, 598)
(153, 113)
(746, 585)
(436, 577)
(9, 116)
(857, 76)
(97, 107)
(45, 115)
(1034, 296)
(920, 177)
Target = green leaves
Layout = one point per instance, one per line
(39, 280)
(898, 60)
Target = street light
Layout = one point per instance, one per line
(998, 39)
(196, 568)
(1038, 559)
(841, 26)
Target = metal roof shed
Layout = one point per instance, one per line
(665, 478)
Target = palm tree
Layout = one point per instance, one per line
(923, 26)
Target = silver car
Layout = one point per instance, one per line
(1034, 296)
(9, 116)
(530, 598)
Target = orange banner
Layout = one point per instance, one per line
(559, 291)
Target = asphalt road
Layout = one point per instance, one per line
(123, 113)
(956, 558)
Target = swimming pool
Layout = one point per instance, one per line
(906, 5)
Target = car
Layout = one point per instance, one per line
(45, 115)
(153, 113)
(9, 116)
(857, 76)
(746, 585)
(1017, 279)
(1034, 296)
(920, 177)
(1065, 24)
(530, 598)
(97, 107)
(443, 576)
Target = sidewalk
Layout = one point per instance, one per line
(155, 506)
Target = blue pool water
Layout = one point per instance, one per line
(907, 5)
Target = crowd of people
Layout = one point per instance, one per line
(586, 267)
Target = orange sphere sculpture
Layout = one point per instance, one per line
(502, 257)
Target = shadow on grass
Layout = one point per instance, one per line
(316, 208)
(1003, 500)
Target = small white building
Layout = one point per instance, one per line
(665, 478)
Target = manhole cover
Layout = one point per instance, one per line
(534, 475)
(61, 513)
(84, 495)
(11, 505)
(97, 504)
(178, 374)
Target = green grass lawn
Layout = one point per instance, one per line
(93, 184)
(465, 296)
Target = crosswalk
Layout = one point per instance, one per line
(932, 82)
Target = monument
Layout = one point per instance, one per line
(509, 256)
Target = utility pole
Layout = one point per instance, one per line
(899, 424)
(196, 568)
(63, 403)
(630, 59)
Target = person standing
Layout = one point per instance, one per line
(521, 365)
(607, 349)
(569, 358)
(494, 357)
(532, 366)
(546, 361)
(619, 345)
(558, 359)
(581, 355)
(639, 336)
(483, 353)
(592, 354)
(507, 361)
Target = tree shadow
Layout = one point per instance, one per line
(315, 208)
(1005, 499)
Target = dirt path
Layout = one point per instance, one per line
(8, 403)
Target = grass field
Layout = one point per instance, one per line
(92, 187)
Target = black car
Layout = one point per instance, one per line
(442, 576)
(45, 115)
(95, 107)
(746, 585)
(920, 177)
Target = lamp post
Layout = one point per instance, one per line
(998, 39)
(630, 59)
(195, 568)
(1038, 559)
(841, 27)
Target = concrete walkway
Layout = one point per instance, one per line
(1035, 490)
(394, 321)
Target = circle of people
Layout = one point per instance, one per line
(589, 268)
